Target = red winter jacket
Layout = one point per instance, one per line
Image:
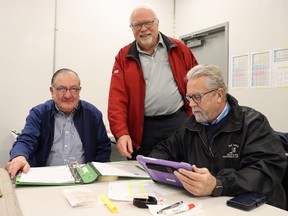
(127, 87)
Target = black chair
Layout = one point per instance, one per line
(284, 138)
(285, 182)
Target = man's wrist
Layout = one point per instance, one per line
(218, 190)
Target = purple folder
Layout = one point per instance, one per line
(161, 171)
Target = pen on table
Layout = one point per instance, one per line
(177, 210)
(140, 168)
(108, 203)
(169, 207)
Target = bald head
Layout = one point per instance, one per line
(142, 8)
(62, 71)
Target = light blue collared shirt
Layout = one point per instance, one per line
(67, 142)
(224, 112)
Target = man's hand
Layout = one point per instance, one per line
(124, 146)
(198, 182)
(16, 164)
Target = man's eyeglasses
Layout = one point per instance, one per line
(197, 98)
(63, 90)
(147, 24)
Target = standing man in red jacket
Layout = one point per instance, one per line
(147, 90)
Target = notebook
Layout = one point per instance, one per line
(161, 171)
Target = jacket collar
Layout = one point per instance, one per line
(133, 52)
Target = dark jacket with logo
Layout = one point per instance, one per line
(243, 152)
(36, 139)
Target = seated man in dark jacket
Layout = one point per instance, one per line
(59, 129)
(232, 148)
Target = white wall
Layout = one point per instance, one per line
(26, 57)
(89, 34)
(254, 26)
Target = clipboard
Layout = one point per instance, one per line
(161, 171)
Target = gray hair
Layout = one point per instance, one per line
(61, 71)
(212, 72)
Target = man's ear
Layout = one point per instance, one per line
(220, 94)
(51, 90)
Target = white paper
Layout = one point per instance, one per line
(127, 190)
(197, 210)
(49, 174)
(80, 196)
(121, 170)
(165, 190)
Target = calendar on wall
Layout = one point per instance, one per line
(268, 69)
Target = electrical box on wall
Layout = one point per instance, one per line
(210, 46)
(194, 43)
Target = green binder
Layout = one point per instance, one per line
(57, 175)
(73, 173)
(87, 174)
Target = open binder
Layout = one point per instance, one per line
(73, 173)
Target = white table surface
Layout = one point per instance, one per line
(50, 201)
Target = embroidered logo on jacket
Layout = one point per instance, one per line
(233, 153)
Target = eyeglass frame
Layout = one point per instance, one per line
(73, 90)
(189, 97)
(138, 26)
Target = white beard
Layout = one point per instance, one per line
(201, 117)
(147, 41)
